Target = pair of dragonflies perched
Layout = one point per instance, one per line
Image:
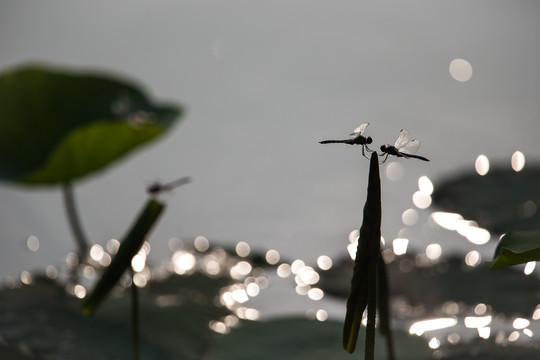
(403, 147)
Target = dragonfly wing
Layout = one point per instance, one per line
(360, 130)
(411, 147)
(402, 139)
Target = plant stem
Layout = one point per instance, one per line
(371, 311)
(73, 219)
(135, 318)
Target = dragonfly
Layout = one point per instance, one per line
(403, 147)
(358, 139)
(157, 187)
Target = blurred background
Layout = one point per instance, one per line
(262, 83)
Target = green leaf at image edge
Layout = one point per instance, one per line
(517, 247)
(57, 125)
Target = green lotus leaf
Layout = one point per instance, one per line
(517, 247)
(57, 125)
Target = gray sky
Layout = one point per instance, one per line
(263, 82)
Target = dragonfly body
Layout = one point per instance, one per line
(157, 187)
(403, 147)
(358, 139)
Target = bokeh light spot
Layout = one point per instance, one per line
(481, 165)
(32, 243)
(518, 161)
(324, 262)
(394, 171)
(473, 258)
(409, 217)
(400, 245)
(421, 200)
(242, 249)
(460, 70)
(272, 257)
(433, 251)
(425, 185)
(201, 243)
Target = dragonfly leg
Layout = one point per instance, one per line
(363, 152)
(385, 158)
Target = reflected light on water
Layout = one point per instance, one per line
(467, 228)
(400, 245)
(446, 220)
(353, 240)
(394, 171)
(514, 335)
(473, 322)
(26, 277)
(520, 323)
(211, 264)
(434, 343)
(253, 289)
(175, 243)
(315, 294)
(248, 313)
(536, 314)
(241, 269)
(112, 246)
(481, 165)
(529, 267)
(425, 185)
(51, 272)
(272, 257)
(284, 270)
(351, 248)
(420, 327)
(321, 315)
(421, 200)
(480, 309)
(201, 243)
(183, 262)
(453, 338)
(518, 161)
(476, 235)
(218, 327)
(242, 249)
(79, 291)
(138, 262)
(461, 70)
(96, 252)
(433, 251)
(302, 289)
(105, 260)
(409, 217)
(484, 332)
(307, 275)
(473, 258)
(324, 262)
(354, 235)
(297, 265)
(528, 332)
(32, 243)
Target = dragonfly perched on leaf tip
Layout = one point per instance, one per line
(358, 139)
(403, 147)
(157, 187)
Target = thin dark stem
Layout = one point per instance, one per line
(73, 219)
(135, 325)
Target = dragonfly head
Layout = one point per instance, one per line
(383, 148)
(369, 140)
